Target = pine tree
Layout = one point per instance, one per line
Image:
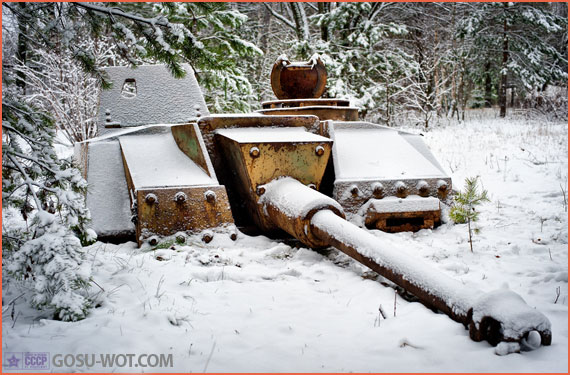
(364, 60)
(511, 42)
(205, 35)
(463, 209)
(49, 194)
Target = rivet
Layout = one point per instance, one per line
(254, 152)
(150, 198)
(378, 190)
(210, 196)
(153, 241)
(354, 190)
(260, 190)
(319, 150)
(401, 188)
(180, 197)
(207, 237)
(423, 188)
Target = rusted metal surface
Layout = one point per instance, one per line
(353, 194)
(322, 112)
(402, 214)
(291, 103)
(161, 208)
(166, 211)
(189, 140)
(320, 225)
(299, 85)
(256, 163)
(208, 126)
(377, 163)
(393, 222)
(298, 80)
(227, 176)
(297, 226)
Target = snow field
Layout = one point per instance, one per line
(257, 305)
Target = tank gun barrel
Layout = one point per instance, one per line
(317, 221)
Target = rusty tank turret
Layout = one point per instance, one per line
(302, 166)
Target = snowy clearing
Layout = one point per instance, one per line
(257, 305)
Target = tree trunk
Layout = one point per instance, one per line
(262, 41)
(470, 238)
(324, 8)
(301, 22)
(503, 88)
(22, 51)
(488, 85)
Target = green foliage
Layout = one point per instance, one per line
(49, 194)
(463, 209)
(205, 35)
(165, 244)
(53, 264)
(532, 31)
(362, 58)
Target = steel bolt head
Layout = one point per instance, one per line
(401, 188)
(180, 197)
(423, 188)
(150, 198)
(210, 196)
(354, 190)
(260, 190)
(378, 190)
(207, 237)
(319, 150)
(254, 152)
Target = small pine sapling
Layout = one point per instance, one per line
(463, 209)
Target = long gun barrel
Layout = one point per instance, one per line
(317, 221)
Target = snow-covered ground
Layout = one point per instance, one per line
(256, 305)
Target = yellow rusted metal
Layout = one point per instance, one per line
(166, 210)
(227, 176)
(255, 164)
(294, 215)
(175, 209)
(393, 222)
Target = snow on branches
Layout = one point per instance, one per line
(49, 194)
